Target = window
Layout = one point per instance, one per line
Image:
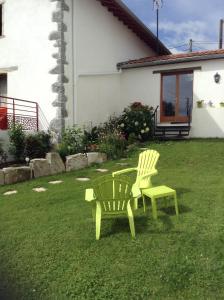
(1, 19)
(3, 84)
(3, 102)
(176, 96)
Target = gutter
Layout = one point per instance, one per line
(125, 65)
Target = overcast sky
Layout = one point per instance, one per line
(181, 20)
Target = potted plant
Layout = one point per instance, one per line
(221, 104)
(210, 103)
(200, 103)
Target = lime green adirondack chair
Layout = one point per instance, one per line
(145, 170)
(111, 197)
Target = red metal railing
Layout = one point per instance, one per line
(27, 113)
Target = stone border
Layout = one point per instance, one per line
(52, 165)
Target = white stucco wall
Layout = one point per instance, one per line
(100, 41)
(27, 24)
(141, 84)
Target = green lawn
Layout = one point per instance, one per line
(48, 248)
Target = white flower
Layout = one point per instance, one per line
(144, 124)
(122, 125)
(142, 131)
(136, 123)
(147, 129)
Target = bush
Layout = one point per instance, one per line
(72, 142)
(113, 144)
(17, 141)
(3, 155)
(34, 145)
(136, 122)
(91, 138)
(37, 145)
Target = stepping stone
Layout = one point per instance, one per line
(10, 193)
(83, 179)
(39, 190)
(122, 164)
(55, 182)
(102, 170)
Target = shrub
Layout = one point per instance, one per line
(113, 144)
(17, 141)
(37, 145)
(91, 138)
(72, 142)
(136, 121)
(3, 155)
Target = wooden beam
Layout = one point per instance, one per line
(176, 70)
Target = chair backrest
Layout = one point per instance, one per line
(147, 161)
(113, 193)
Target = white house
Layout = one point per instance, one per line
(84, 60)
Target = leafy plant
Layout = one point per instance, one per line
(3, 155)
(136, 121)
(72, 141)
(113, 144)
(37, 145)
(200, 103)
(17, 141)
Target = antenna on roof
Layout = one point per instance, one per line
(157, 4)
(221, 33)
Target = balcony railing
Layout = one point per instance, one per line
(24, 112)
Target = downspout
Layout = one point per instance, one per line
(73, 64)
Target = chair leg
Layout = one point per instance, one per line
(98, 221)
(176, 204)
(94, 212)
(131, 220)
(143, 200)
(135, 203)
(154, 208)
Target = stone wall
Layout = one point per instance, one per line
(52, 165)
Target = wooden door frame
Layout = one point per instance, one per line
(176, 118)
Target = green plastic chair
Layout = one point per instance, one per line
(145, 170)
(111, 197)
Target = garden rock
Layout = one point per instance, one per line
(96, 157)
(76, 162)
(56, 163)
(40, 167)
(16, 174)
(10, 193)
(2, 178)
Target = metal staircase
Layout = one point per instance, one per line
(173, 130)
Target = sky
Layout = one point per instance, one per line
(182, 20)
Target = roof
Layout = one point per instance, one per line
(172, 59)
(122, 12)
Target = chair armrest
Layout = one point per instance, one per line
(136, 192)
(124, 171)
(89, 195)
(151, 173)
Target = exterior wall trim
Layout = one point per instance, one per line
(177, 70)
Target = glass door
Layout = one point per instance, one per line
(176, 97)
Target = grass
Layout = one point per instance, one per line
(48, 248)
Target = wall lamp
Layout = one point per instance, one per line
(217, 77)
